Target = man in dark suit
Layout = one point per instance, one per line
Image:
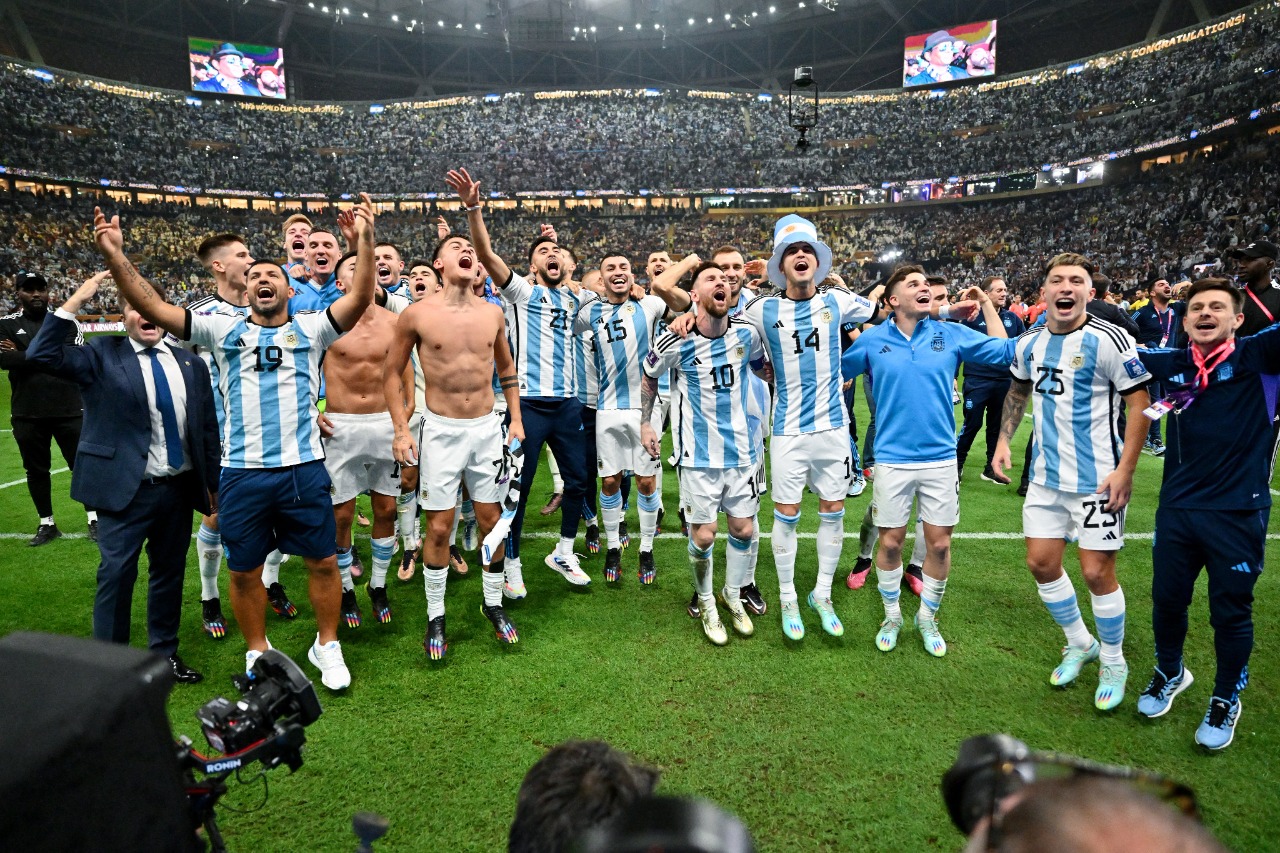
(148, 458)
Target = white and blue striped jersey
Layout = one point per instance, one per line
(584, 362)
(711, 404)
(624, 335)
(802, 340)
(1076, 380)
(270, 380)
(540, 331)
(212, 305)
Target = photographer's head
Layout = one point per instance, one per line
(1089, 814)
(574, 787)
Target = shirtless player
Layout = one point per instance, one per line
(358, 435)
(460, 339)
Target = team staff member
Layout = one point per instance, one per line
(1156, 321)
(1257, 262)
(44, 408)
(985, 386)
(148, 459)
(1214, 498)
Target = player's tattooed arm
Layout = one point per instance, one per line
(648, 435)
(1015, 406)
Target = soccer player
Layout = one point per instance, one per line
(1214, 499)
(713, 443)
(801, 335)
(227, 259)
(868, 532)
(666, 284)
(1078, 366)
(540, 317)
(460, 338)
(318, 290)
(295, 229)
(985, 386)
(914, 359)
(1157, 321)
(274, 490)
(358, 435)
(390, 270)
(623, 328)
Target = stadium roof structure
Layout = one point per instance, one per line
(372, 49)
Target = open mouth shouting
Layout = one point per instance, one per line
(384, 273)
(298, 246)
(553, 269)
(321, 264)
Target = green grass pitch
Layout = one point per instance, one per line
(825, 744)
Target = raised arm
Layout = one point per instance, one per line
(469, 192)
(667, 285)
(404, 449)
(136, 290)
(1015, 406)
(351, 305)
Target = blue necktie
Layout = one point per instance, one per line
(168, 415)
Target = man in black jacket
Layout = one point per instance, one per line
(1099, 307)
(45, 409)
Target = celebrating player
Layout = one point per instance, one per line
(914, 359)
(460, 338)
(1080, 481)
(810, 446)
(274, 490)
(713, 442)
(623, 328)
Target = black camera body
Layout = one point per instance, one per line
(275, 690)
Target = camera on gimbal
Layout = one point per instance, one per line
(264, 725)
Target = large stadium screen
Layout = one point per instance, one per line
(944, 56)
(236, 68)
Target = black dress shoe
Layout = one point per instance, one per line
(182, 672)
(93, 530)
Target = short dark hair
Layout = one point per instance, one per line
(435, 253)
(1070, 259)
(389, 244)
(898, 274)
(423, 263)
(726, 249)
(256, 264)
(572, 254)
(577, 785)
(342, 260)
(1214, 283)
(315, 231)
(209, 245)
(689, 282)
(614, 253)
(538, 241)
(1101, 284)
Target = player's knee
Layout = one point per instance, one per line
(702, 536)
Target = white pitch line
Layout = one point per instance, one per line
(546, 534)
(24, 479)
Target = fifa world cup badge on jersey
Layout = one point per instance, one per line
(652, 358)
(1134, 368)
(1077, 360)
(290, 339)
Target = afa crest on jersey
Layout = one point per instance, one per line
(938, 344)
(1078, 361)
(290, 339)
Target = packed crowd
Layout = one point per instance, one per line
(615, 142)
(1156, 225)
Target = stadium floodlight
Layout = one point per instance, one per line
(802, 105)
